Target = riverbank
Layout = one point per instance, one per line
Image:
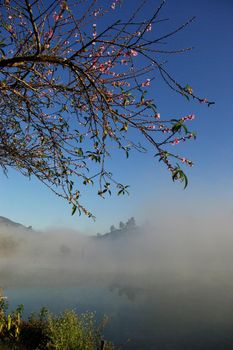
(47, 331)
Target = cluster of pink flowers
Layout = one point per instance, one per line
(131, 53)
(175, 141)
(120, 83)
(103, 67)
(186, 161)
(188, 117)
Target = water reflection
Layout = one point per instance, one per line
(166, 291)
(144, 313)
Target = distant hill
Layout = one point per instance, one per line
(129, 229)
(5, 222)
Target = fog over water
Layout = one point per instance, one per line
(164, 285)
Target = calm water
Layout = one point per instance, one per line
(162, 289)
(146, 311)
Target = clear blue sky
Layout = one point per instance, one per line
(209, 70)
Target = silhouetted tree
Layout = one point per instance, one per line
(131, 223)
(112, 228)
(121, 225)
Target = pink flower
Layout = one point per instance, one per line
(57, 17)
(49, 34)
(151, 127)
(175, 141)
(133, 53)
(189, 117)
(146, 83)
(102, 68)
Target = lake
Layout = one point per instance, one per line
(166, 291)
(145, 312)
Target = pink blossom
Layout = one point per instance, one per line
(124, 61)
(57, 17)
(102, 68)
(151, 127)
(133, 53)
(175, 141)
(49, 34)
(189, 117)
(146, 83)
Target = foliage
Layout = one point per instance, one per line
(10, 323)
(73, 87)
(45, 331)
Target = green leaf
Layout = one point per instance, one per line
(74, 209)
(178, 174)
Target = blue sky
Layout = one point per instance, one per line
(208, 69)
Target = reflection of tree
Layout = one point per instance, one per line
(128, 291)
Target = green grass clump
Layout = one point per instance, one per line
(46, 331)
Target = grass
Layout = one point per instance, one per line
(47, 331)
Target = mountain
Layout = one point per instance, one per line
(12, 224)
